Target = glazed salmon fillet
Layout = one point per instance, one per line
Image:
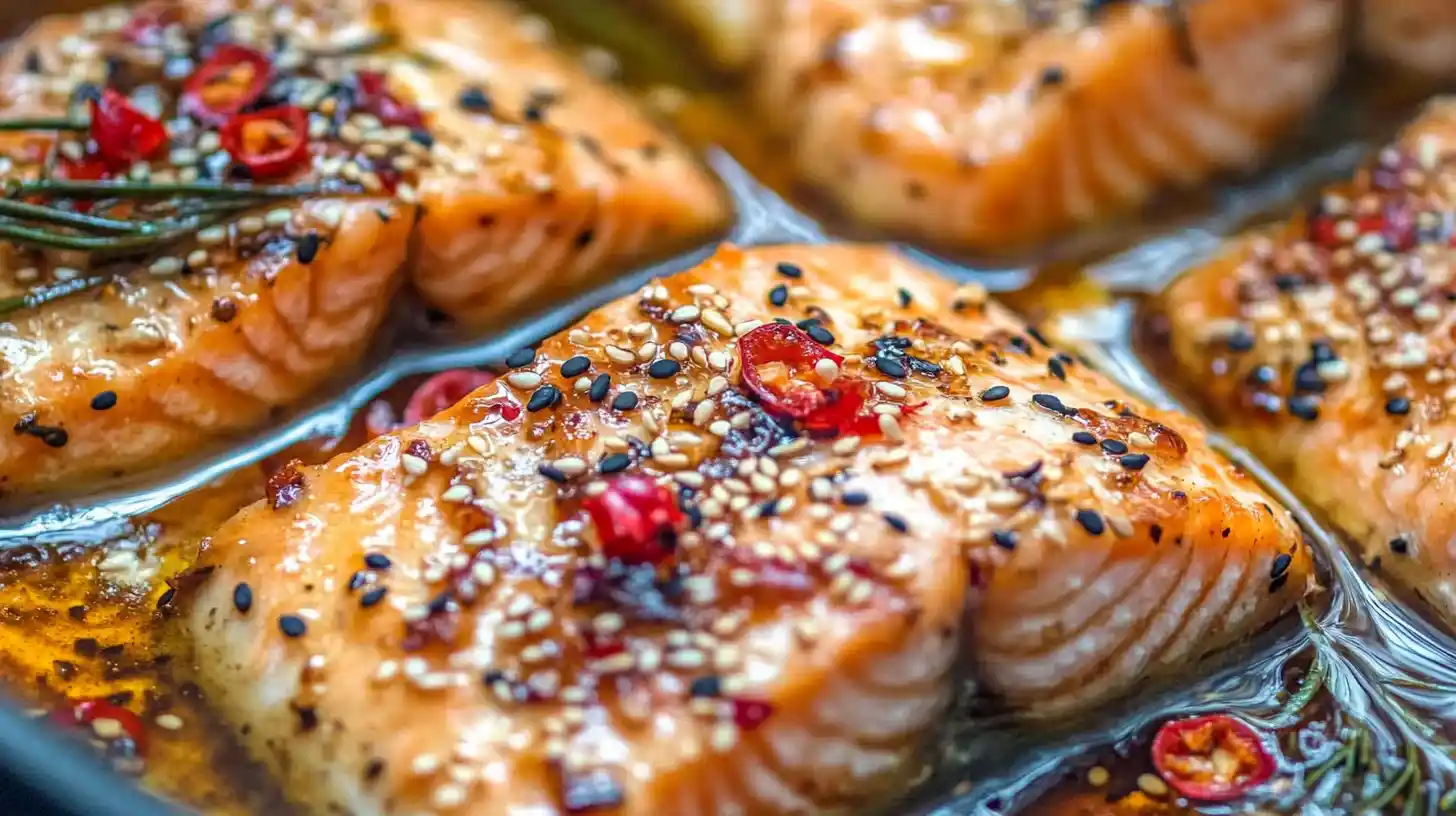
(1324, 344)
(991, 126)
(1417, 35)
(718, 548)
(558, 180)
(176, 345)
(165, 349)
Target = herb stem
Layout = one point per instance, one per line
(52, 123)
(148, 190)
(24, 211)
(45, 294)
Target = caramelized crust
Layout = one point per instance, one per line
(1325, 345)
(433, 621)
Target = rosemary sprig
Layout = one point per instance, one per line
(43, 123)
(45, 294)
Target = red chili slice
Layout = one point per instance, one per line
(88, 711)
(233, 78)
(87, 169)
(269, 143)
(148, 22)
(442, 391)
(123, 134)
(1214, 758)
(779, 368)
(636, 518)
(375, 98)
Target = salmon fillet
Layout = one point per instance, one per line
(1324, 344)
(497, 206)
(1417, 35)
(460, 616)
(990, 126)
(192, 340)
(573, 181)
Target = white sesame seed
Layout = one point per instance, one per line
(1152, 785)
(65, 273)
(714, 319)
(745, 327)
(212, 236)
(456, 494)
(621, 356)
(685, 314)
(170, 722)
(250, 225)
(278, 217)
(414, 465)
(845, 446)
(890, 390)
(827, 370)
(524, 380)
(165, 267)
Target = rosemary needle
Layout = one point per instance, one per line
(43, 124)
(147, 190)
(45, 294)
(51, 215)
(49, 239)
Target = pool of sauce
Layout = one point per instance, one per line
(89, 619)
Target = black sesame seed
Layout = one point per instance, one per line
(378, 561)
(1156, 533)
(475, 100)
(1399, 545)
(769, 509)
(307, 248)
(422, 137)
(995, 392)
(1019, 343)
(1090, 521)
(1280, 565)
(1308, 379)
(1240, 341)
(925, 367)
(520, 358)
(904, 296)
(1133, 461)
(1004, 539)
(1397, 406)
(889, 366)
(779, 295)
(54, 437)
(625, 401)
(1057, 369)
(1038, 336)
(615, 463)
(1084, 438)
(1051, 403)
(1052, 76)
(1305, 406)
(599, 387)
(552, 473)
(373, 596)
(575, 366)
(104, 401)
(820, 335)
(1114, 447)
(1278, 583)
(544, 397)
(709, 686)
(292, 625)
(357, 580)
(662, 369)
(897, 523)
(789, 270)
(855, 498)
(242, 598)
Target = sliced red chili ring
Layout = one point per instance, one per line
(123, 134)
(88, 711)
(233, 78)
(442, 391)
(1213, 758)
(269, 143)
(636, 519)
(778, 360)
(780, 367)
(376, 99)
